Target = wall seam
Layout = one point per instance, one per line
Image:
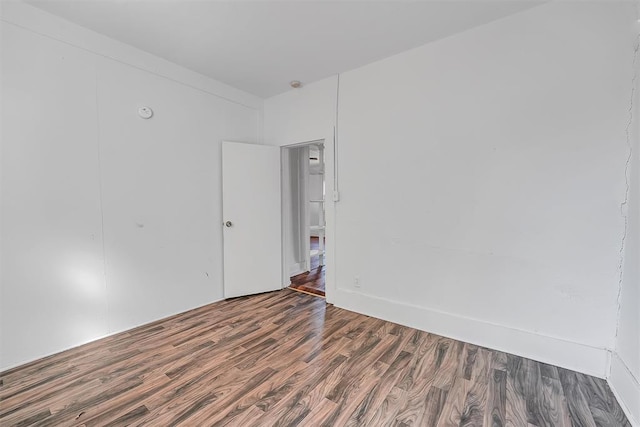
(624, 205)
(100, 196)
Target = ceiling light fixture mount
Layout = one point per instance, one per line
(295, 84)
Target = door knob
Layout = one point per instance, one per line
(228, 224)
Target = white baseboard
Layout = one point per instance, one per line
(571, 355)
(626, 388)
(4, 368)
(296, 269)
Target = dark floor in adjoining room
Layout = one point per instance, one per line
(285, 358)
(312, 281)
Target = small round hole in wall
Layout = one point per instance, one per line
(145, 112)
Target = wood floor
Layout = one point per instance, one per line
(286, 358)
(312, 281)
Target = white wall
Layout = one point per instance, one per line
(487, 208)
(496, 158)
(625, 369)
(108, 221)
(52, 274)
(301, 115)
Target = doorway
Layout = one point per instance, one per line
(304, 213)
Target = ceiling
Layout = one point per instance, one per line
(261, 46)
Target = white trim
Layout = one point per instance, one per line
(626, 389)
(42, 356)
(304, 143)
(38, 21)
(285, 172)
(296, 269)
(571, 355)
(285, 202)
(330, 217)
(330, 259)
(305, 209)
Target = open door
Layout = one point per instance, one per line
(251, 209)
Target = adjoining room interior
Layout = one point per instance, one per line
(460, 179)
(304, 219)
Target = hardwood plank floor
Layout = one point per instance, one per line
(312, 281)
(284, 359)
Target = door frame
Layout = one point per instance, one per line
(286, 200)
(328, 142)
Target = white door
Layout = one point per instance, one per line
(252, 218)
